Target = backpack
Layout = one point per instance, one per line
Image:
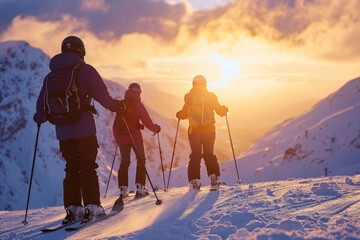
(201, 112)
(121, 126)
(62, 97)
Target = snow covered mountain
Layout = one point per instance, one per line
(323, 141)
(22, 69)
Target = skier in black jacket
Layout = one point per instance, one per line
(78, 141)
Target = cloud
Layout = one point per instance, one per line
(157, 40)
(95, 5)
(322, 28)
(46, 35)
(106, 19)
(315, 27)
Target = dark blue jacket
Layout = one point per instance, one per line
(91, 87)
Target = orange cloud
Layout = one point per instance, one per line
(317, 27)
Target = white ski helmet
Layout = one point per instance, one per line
(199, 80)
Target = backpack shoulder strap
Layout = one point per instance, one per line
(73, 84)
(75, 71)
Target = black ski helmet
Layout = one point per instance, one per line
(135, 86)
(199, 80)
(73, 44)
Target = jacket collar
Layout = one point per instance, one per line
(64, 60)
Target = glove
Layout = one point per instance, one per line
(178, 115)
(36, 119)
(158, 128)
(225, 109)
(121, 107)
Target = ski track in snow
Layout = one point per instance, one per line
(299, 208)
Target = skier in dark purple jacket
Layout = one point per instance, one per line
(78, 141)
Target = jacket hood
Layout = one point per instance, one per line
(132, 94)
(64, 60)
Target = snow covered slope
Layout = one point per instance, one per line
(325, 140)
(318, 208)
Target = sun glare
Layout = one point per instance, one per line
(229, 69)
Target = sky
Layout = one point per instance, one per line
(246, 49)
(314, 208)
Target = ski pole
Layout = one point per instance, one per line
(162, 165)
(112, 166)
(232, 147)
(158, 201)
(173, 153)
(32, 173)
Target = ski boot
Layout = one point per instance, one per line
(93, 211)
(141, 191)
(124, 192)
(73, 213)
(214, 182)
(195, 184)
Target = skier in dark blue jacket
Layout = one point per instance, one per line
(78, 141)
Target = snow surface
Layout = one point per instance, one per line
(317, 208)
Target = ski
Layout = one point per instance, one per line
(83, 224)
(214, 188)
(140, 196)
(52, 229)
(118, 205)
(217, 187)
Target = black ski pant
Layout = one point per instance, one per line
(202, 146)
(123, 172)
(81, 184)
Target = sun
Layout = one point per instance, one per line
(228, 69)
(228, 72)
